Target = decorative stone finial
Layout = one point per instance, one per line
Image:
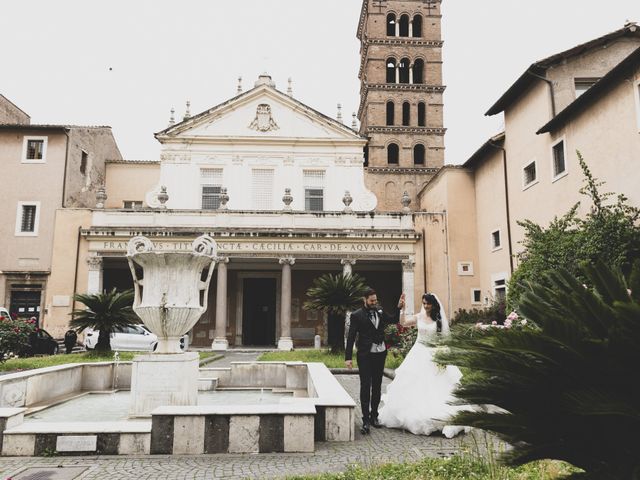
(239, 85)
(339, 116)
(187, 113)
(287, 199)
(172, 117)
(290, 87)
(163, 197)
(265, 79)
(406, 201)
(354, 122)
(101, 197)
(347, 200)
(224, 198)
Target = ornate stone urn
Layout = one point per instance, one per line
(170, 296)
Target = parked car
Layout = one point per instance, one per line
(4, 313)
(134, 338)
(41, 343)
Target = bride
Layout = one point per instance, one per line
(418, 398)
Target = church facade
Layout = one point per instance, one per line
(281, 189)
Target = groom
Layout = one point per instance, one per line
(368, 324)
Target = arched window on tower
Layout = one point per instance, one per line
(417, 26)
(422, 114)
(404, 70)
(391, 114)
(406, 114)
(391, 70)
(393, 154)
(391, 25)
(418, 71)
(404, 26)
(418, 154)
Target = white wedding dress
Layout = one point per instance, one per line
(418, 398)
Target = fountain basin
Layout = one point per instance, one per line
(306, 404)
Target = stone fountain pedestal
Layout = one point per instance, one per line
(171, 290)
(161, 380)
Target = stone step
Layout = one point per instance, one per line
(209, 373)
(207, 384)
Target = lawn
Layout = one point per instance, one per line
(331, 360)
(29, 363)
(460, 467)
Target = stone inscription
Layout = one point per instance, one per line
(272, 247)
(76, 443)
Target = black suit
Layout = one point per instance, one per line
(370, 364)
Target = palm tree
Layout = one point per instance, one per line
(104, 312)
(568, 388)
(336, 295)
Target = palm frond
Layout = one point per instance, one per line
(567, 389)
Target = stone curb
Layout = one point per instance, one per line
(387, 372)
(211, 359)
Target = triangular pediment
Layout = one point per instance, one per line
(261, 113)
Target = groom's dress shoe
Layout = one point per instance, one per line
(365, 428)
(376, 423)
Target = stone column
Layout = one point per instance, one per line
(397, 27)
(411, 28)
(411, 74)
(347, 269)
(220, 341)
(408, 285)
(285, 342)
(398, 73)
(347, 266)
(94, 277)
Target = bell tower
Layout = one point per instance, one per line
(401, 96)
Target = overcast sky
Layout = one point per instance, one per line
(125, 63)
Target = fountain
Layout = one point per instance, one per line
(170, 297)
(173, 406)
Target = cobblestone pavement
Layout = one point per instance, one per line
(382, 445)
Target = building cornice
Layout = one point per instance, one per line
(402, 129)
(279, 141)
(402, 170)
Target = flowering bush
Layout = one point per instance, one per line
(400, 339)
(14, 336)
(513, 321)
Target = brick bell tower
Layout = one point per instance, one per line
(401, 97)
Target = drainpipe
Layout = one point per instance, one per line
(64, 174)
(75, 275)
(551, 91)
(506, 195)
(445, 217)
(424, 259)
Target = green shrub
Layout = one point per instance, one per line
(496, 312)
(14, 336)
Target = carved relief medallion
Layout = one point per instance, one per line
(264, 121)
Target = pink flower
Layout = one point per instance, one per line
(512, 316)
